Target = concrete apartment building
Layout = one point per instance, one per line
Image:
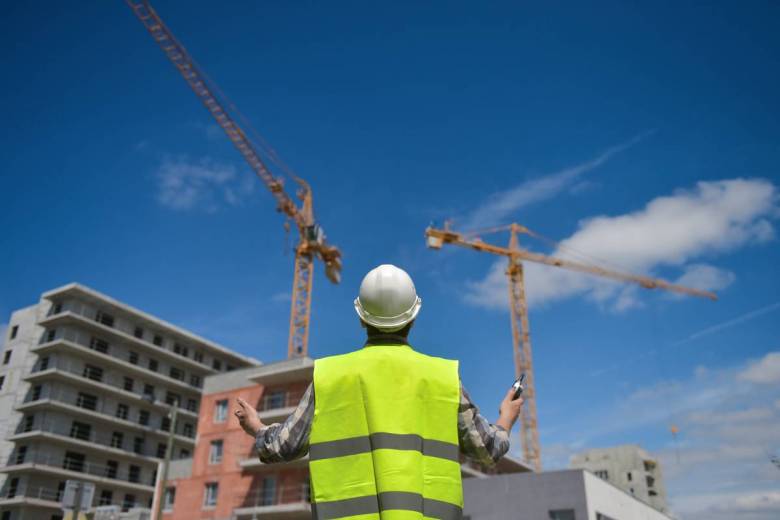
(86, 384)
(226, 480)
(628, 467)
(573, 494)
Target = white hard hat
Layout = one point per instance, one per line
(388, 299)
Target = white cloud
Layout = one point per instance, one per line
(202, 184)
(502, 205)
(671, 230)
(766, 371)
(705, 277)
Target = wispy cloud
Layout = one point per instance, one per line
(673, 230)
(203, 184)
(500, 206)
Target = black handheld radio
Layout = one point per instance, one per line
(518, 386)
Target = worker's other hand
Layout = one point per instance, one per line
(508, 410)
(248, 418)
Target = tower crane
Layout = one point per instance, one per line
(436, 238)
(312, 242)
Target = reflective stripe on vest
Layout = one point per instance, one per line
(384, 441)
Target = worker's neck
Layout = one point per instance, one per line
(375, 336)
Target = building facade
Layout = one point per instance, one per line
(628, 467)
(573, 494)
(86, 387)
(226, 480)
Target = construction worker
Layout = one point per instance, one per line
(384, 426)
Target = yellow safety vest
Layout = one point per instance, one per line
(384, 441)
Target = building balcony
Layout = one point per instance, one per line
(62, 467)
(60, 401)
(42, 497)
(288, 371)
(277, 407)
(254, 465)
(69, 373)
(288, 502)
(71, 347)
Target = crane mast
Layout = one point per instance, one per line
(312, 242)
(521, 336)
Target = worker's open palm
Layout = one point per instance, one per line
(248, 418)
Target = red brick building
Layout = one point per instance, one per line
(225, 479)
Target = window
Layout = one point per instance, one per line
(562, 514)
(138, 332)
(176, 373)
(275, 400)
(134, 474)
(99, 345)
(87, 401)
(2, 381)
(143, 418)
(104, 318)
(133, 357)
(29, 422)
(210, 496)
(122, 410)
(165, 424)
(149, 390)
(632, 491)
(112, 468)
(215, 454)
(217, 364)
(220, 411)
(73, 461)
(161, 449)
(169, 498)
(269, 491)
(43, 364)
(128, 502)
(117, 439)
(138, 445)
(92, 372)
(157, 340)
(57, 308)
(7, 357)
(106, 497)
(13, 485)
(36, 393)
(153, 365)
(14, 331)
(6, 515)
(602, 473)
(600, 516)
(198, 356)
(229, 368)
(172, 399)
(21, 454)
(51, 334)
(180, 350)
(194, 380)
(628, 475)
(188, 430)
(184, 453)
(192, 404)
(129, 384)
(60, 490)
(80, 430)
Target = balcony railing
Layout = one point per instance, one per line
(275, 401)
(38, 492)
(80, 465)
(273, 496)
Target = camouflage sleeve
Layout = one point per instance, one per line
(480, 441)
(281, 442)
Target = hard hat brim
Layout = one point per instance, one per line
(389, 323)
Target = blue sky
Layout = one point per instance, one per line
(644, 135)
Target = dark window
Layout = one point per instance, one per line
(133, 357)
(134, 475)
(129, 384)
(92, 372)
(6, 515)
(176, 373)
(157, 340)
(21, 454)
(36, 393)
(602, 473)
(112, 468)
(128, 502)
(104, 318)
(138, 445)
(210, 494)
(184, 453)
(153, 365)
(73, 461)
(121, 411)
(188, 430)
(172, 399)
(138, 332)
(628, 475)
(149, 390)
(275, 400)
(165, 424)
(269, 491)
(562, 514)
(143, 418)
(117, 439)
(106, 497)
(87, 401)
(29, 422)
(51, 334)
(161, 447)
(80, 430)
(99, 345)
(198, 356)
(57, 308)
(170, 498)
(195, 380)
(217, 364)
(181, 350)
(229, 368)
(7, 357)
(192, 405)
(601, 516)
(60, 489)
(2, 380)
(14, 331)
(13, 485)
(44, 363)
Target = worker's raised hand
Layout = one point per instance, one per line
(248, 418)
(509, 409)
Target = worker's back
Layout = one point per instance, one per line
(384, 441)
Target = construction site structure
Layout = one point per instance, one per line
(436, 238)
(312, 242)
